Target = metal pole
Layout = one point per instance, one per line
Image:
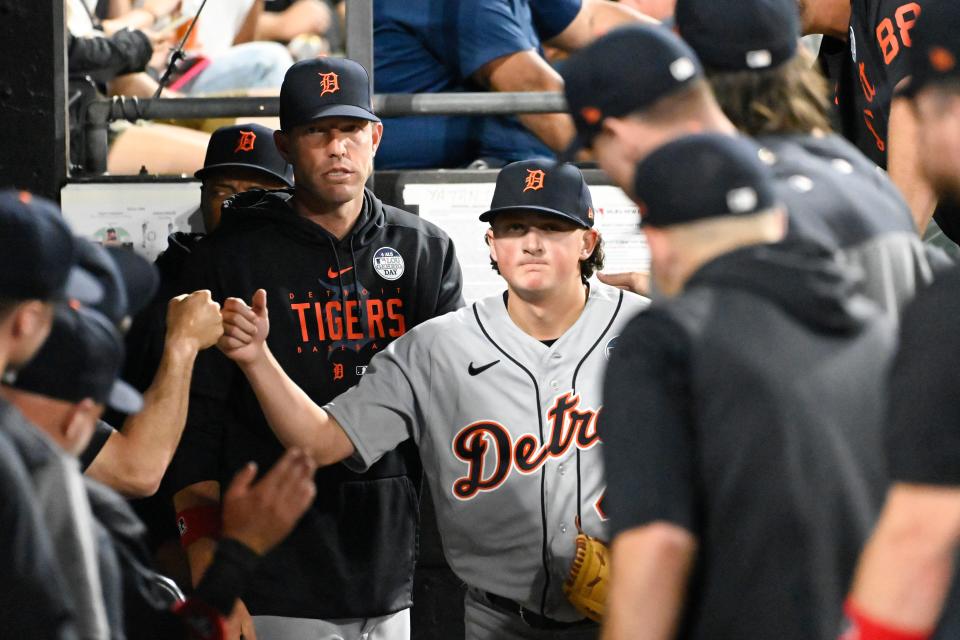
(386, 105)
(360, 34)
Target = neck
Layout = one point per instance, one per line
(337, 220)
(829, 17)
(547, 316)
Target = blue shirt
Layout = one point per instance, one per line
(430, 46)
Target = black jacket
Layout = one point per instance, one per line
(749, 410)
(106, 57)
(333, 304)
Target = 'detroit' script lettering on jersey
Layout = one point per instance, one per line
(488, 468)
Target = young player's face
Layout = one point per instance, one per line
(331, 157)
(939, 132)
(538, 253)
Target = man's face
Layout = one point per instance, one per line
(938, 127)
(229, 181)
(622, 143)
(536, 253)
(331, 157)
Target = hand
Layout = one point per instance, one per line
(245, 329)
(261, 515)
(240, 624)
(635, 281)
(195, 320)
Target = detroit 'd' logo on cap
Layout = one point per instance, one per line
(388, 263)
(534, 180)
(246, 141)
(329, 83)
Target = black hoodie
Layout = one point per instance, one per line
(333, 305)
(749, 411)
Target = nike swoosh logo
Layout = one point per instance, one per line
(475, 371)
(333, 274)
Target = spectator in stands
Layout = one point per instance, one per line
(658, 9)
(308, 27)
(223, 54)
(37, 258)
(425, 46)
(125, 54)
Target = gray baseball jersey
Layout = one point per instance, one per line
(507, 431)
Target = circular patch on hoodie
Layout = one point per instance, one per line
(388, 262)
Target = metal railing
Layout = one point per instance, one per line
(100, 113)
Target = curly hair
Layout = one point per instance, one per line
(790, 98)
(588, 266)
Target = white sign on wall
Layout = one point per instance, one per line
(138, 216)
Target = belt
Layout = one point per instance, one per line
(531, 618)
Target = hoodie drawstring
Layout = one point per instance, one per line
(356, 281)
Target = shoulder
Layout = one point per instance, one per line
(443, 329)
(404, 220)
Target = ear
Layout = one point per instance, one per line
(589, 241)
(488, 238)
(282, 140)
(377, 135)
(79, 423)
(30, 318)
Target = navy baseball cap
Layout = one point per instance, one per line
(128, 280)
(625, 71)
(81, 359)
(324, 87)
(703, 176)
(542, 186)
(39, 253)
(249, 146)
(740, 35)
(935, 55)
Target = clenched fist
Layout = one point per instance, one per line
(194, 319)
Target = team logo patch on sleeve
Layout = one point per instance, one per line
(388, 263)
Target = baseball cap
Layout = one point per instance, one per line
(128, 280)
(39, 253)
(324, 87)
(542, 186)
(703, 176)
(245, 145)
(81, 359)
(935, 55)
(740, 35)
(625, 71)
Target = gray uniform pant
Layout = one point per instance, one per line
(395, 626)
(483, 621)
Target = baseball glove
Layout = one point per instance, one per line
(586, 585)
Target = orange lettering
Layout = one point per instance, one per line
(299, 308)
(375, 318)
(334, 323)
(351, 320)
(395, 312)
